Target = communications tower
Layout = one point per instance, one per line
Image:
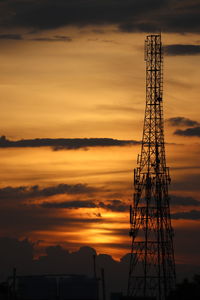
(152, 266)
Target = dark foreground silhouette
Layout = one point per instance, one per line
(56, 260)
(76, 287)
(187, 290)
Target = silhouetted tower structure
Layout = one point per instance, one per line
(152, 266)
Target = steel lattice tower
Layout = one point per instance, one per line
(152, 266)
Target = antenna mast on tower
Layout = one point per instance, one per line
(152, 266)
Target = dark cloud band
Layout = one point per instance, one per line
(29, 192)
(15, 37)
(70, 204)
(188, 215)
(181, 121)
(115, 205)
(178, 49)
(194, 131)
(20, 37)
(65, 144)
(111, 205)
(127, 15)
(184, 201)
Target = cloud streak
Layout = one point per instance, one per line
(20, 37)
(188, 215)
(184, 201)
(66, 144)
(16, 37)
(69, 204)
(192, 132)
(29, 192)
(190, 182)
(115, 205)
(110, 205)
(181, 121)
(55, 38)
(179, 49)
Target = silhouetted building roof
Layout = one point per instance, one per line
(55, 287)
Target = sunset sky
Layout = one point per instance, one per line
(75, 70)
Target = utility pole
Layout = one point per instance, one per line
(152, 266)
(103, 283)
